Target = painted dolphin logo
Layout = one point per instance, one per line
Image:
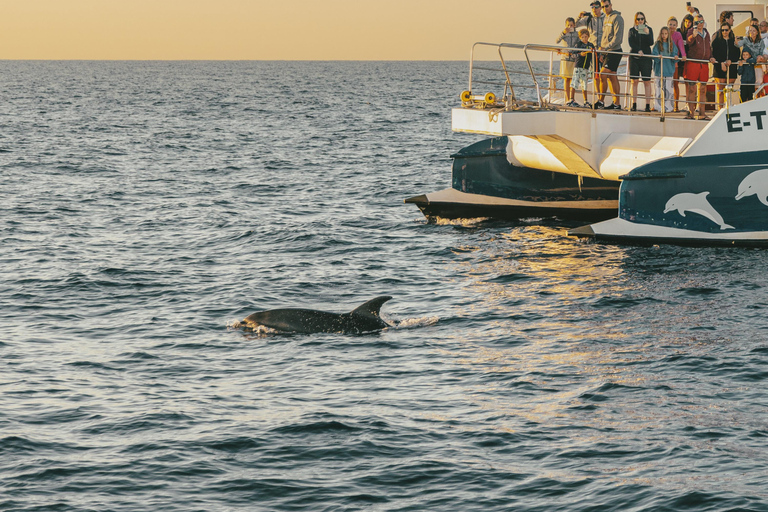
(695, 203)
(364, 318)
(755, 184)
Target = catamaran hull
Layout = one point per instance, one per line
(453, 204)
(486, 184)
(708, 200)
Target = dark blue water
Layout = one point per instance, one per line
(146, 207)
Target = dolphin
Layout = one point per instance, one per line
(364, 318)
(696, 203)
(755, 183)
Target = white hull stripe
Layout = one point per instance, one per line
(624, 228)
(450, 195)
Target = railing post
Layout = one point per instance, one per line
(662, 85)
(551, 59)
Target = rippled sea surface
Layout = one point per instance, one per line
(147, 206)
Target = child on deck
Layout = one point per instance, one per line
(581, 68)
(747, 71)
(569, 38)
(664, 69)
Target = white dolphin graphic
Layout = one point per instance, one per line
(695, 203)
(755, 183)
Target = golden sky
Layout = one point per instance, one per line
(291, 30)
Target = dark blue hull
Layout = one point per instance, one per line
(487, 185)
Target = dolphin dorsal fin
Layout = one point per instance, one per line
(372, 307)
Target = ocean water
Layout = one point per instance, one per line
(147, 206)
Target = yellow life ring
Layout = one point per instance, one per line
(490, 98)
(466, 96)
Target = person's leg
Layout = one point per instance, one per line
(615, 89)
(633, 94)
(676, 84)
(702, 99)
(690, 98)
(568, 95)
(603, 83)
(647, 90)
(669, 95)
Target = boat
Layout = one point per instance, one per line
(713, 193)
(637, 176)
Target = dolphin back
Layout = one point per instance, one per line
(296, 320)
(365, 318)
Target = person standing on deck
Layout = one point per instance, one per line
(697, 73)
(594, 24)
(613, 36)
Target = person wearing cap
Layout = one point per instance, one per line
(697, 73)
(593, 22)
(613, 36)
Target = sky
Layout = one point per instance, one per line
(290, 29)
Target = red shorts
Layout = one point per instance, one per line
(696, 72)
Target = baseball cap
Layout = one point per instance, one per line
(596, 3)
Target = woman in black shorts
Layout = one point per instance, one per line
(725, 56)
(640, 65)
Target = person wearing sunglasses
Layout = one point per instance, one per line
(725, 55)
(593, 22)
(640, 40)
(756, 46)
(613, 36)
(697, 72)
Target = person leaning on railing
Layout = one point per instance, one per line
(725, 54)
(697, 73)
(756, 47)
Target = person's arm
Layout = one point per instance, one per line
(618, 33)
(678, 40)
(717, 54)
(632, 39)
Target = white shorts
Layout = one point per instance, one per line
(580, 77)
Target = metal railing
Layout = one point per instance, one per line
(508, 79)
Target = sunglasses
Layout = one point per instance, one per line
(640, 19)
(725, 30)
